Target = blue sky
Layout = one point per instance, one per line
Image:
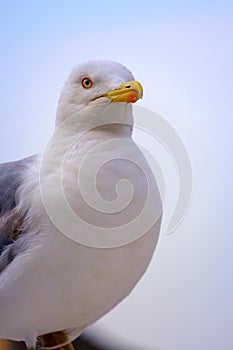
(183, 55)
(41, 41)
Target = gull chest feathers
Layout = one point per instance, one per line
(91, 213)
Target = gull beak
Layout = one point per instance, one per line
(128, 92)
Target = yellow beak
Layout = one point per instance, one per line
(129, 92)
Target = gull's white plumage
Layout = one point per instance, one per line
(54, 283)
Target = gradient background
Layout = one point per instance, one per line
(182, 52)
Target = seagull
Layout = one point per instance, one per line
(79, 222)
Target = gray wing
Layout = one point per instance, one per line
(10, 179)
(10, 218)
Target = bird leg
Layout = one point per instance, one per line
(53, 339)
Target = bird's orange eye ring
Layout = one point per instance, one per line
(87, 83)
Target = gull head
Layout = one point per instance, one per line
(97, 88)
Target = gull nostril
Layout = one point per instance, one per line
(128, 87)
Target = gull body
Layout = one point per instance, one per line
(55, 282)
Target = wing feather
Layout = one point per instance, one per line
(11, 219)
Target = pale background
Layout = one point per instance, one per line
(182, 52)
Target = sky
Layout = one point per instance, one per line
(182, 53)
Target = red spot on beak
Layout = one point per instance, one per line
(132, 97)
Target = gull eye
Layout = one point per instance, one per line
(87, 83)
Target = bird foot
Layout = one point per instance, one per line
(54, 339)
